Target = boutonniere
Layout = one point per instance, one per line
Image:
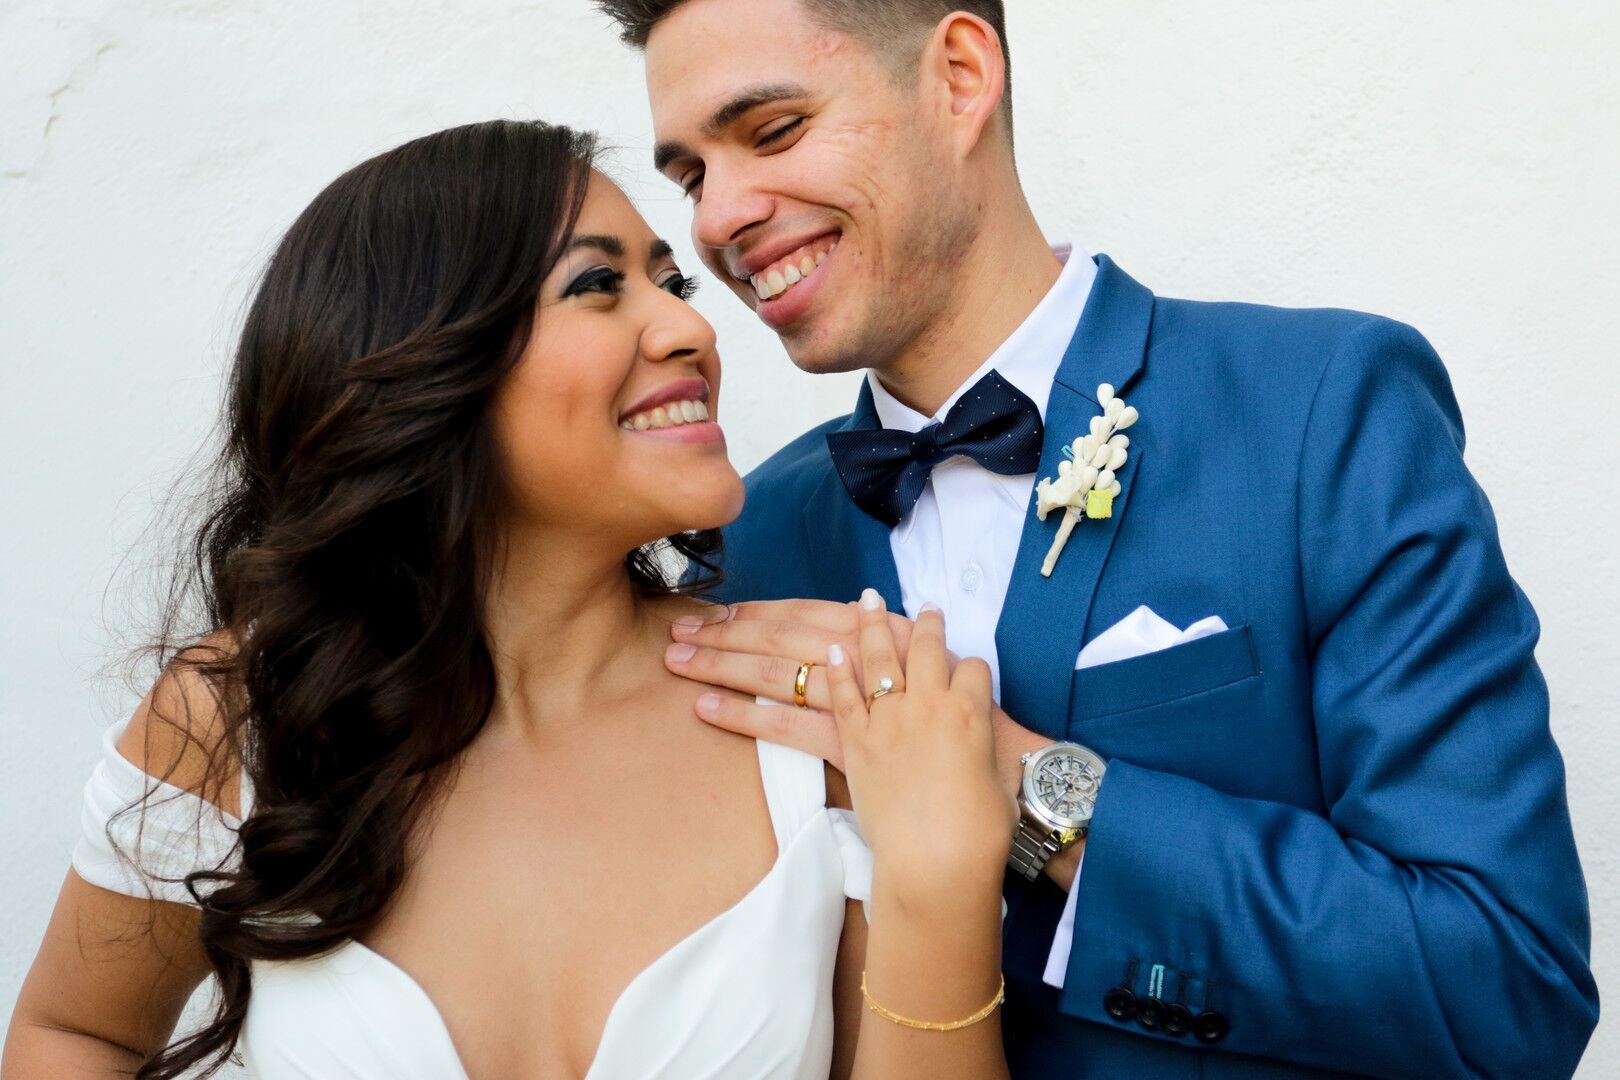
(1087, 482)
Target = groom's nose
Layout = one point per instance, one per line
(727, 209)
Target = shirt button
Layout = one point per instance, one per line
(972, 578)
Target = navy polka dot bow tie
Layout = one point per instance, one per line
(885, 470)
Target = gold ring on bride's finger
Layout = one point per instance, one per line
(885, 686)
(802, 683)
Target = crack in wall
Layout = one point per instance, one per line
(76, 82)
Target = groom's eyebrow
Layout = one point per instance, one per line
(740, 105)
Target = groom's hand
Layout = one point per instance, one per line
(756, 649)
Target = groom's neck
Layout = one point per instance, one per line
(995, 288)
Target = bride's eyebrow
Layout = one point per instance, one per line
(608, 245)
(613, 247)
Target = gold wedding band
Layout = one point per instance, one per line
(885, 687)
(802, 683)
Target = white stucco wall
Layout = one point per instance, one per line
(1453, 163)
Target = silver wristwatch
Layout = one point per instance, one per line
(1055, 803)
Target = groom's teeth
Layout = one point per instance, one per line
(643, 422)
(780, 277)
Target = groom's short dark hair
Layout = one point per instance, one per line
(890, 26)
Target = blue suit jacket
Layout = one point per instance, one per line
(1342, 823)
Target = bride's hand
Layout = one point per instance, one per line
(921, 760)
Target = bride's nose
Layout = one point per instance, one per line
(675, 331)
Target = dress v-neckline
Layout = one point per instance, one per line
(405, 978)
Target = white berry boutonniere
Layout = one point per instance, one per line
(1088, 481)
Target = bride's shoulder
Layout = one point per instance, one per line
(181, 731)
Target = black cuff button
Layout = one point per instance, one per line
(1150, 1013)
(1178, 1020)
(1120, 1003)
(1210, 1027)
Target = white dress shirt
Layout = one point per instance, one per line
(957, 545)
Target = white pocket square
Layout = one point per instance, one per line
(1142, 632)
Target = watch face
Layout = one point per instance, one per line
(1063, 783)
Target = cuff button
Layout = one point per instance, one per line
(1210, 1027)
(1120, 1003)
(1150, 1014)
(1178, 1020)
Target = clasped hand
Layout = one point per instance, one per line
(920, 756)
(756, 649)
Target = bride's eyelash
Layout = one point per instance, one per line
(681, 285)
(606, 280)
(602, 279)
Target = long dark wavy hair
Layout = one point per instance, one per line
(349, 537)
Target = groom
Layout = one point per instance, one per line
(1331, 836)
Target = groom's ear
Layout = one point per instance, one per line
(965, 69)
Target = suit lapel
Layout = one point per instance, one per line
(1044, 619)
(849, 548)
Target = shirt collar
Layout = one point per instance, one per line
(1029, 359)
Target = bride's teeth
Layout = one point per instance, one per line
(777, 282)
(807, 266)
(760, 288)
(672, 414)
(791, 274)
(821, 257)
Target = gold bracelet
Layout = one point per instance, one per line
(929, 1025)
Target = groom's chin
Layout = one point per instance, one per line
(819, 354)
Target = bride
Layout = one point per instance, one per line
(420, 795)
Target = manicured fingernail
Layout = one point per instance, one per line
(680, 654)
(708, 705)
(870, 600)
(686, 626)
(930, 606)
(835, 654)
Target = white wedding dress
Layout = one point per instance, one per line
(748, 995)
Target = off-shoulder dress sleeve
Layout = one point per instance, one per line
(140, 836)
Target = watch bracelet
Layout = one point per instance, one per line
(1031, 850)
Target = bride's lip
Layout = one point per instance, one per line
(692, 389)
